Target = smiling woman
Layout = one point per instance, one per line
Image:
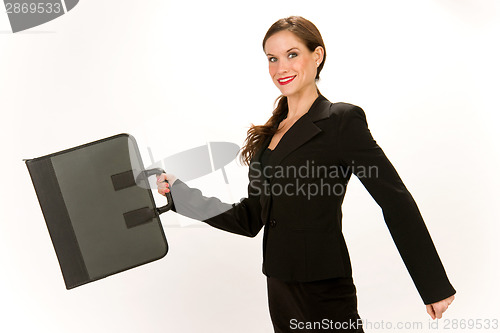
(306, 261)
(296, 54)
(295, 64)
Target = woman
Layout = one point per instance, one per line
(300, 163)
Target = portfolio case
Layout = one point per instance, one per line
(99, 209)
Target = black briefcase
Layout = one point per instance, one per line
(99, 208)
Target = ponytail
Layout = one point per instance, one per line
(257, 134)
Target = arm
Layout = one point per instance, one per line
(241, 218)
(360, 152)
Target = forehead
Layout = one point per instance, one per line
(283, 41)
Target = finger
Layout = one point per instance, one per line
(439, 314)
(163, 191)
(444, 308)
(163, 186)
(440, 309)
(430, 311)
(160, 178)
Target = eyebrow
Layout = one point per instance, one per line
(269, 54)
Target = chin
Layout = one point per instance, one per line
(286, 91)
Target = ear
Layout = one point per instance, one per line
(318, 54)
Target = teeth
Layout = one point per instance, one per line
(286, 80)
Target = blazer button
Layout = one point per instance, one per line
(272, 223)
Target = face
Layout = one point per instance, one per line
(291, 65)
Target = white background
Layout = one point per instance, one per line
(176, 74)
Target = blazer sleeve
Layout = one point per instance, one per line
(360, 152)
(243, 218)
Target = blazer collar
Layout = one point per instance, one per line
(301, 131)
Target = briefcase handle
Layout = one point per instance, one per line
(157, 171)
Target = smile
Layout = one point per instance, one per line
(286, 80)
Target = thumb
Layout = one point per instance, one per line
(161, 177)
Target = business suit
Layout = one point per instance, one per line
(303, 240)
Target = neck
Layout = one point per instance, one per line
(300, 103)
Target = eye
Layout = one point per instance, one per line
(292, 55)
(272, 59)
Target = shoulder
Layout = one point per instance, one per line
(341, 111)
(349, 119)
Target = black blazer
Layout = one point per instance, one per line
(299, 202)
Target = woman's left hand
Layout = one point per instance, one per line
(435, 310)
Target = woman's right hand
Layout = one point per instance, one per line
(161, 182)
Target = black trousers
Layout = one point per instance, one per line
(320, 306)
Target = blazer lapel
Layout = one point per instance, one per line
(303, 130)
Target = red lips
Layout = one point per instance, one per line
(286, 80)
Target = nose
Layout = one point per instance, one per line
(282, 67)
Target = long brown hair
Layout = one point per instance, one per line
(310, 36)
